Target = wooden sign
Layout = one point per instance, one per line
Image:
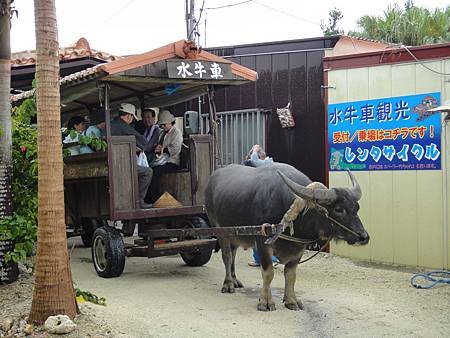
(198, 69)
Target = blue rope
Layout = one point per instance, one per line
(433, 277)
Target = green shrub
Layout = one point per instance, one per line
(96, 143)
(21, 226)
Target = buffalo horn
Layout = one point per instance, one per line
(319, 195)
(356, 189)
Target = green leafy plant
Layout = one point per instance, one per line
(409, 25)
(334, 16)
(96, 143)
(90, 297)
(21, 226)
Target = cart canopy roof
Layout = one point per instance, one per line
(162, 77)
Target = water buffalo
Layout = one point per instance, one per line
(238, 195)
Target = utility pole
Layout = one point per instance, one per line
(186, 17)
(190, 19)
(205, 30)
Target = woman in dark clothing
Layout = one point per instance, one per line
(77, 123)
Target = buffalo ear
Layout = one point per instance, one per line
(355, 189)
(322, 196)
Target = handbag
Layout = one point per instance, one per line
(142, 160)
(160, 160)
(285, 116)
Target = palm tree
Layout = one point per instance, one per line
(410, 25)
(53, 290)
(5, 109)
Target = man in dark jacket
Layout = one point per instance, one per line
(150, 130)
(120, 126)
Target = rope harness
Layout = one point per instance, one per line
(291, 215)
(320, 250)
(302, 206)
(324, 212)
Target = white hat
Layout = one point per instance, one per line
(128, 108)
(444, 108)
(165, 117)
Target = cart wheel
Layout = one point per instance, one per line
(198, 257)
(88, 226)
(108, 252)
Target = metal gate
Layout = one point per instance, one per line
(237, 132)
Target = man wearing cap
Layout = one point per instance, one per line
(120, 126)
(170, 144)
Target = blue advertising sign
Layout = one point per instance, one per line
(395, 133)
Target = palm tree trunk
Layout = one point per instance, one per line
(5, 110)
(53, 290)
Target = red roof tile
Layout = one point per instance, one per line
(79, 50)
(83, 74)
(182, 49)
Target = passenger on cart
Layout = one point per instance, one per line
(167, 153)
(120, 126)
(96, 130)
(150, 130)
(75, 127)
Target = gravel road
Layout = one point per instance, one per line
(162, 297)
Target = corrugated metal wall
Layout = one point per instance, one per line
(288, 71)
(405, 212)
(295, 78)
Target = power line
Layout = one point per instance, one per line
(195, 29)
(422, 63)
(230, 5)
(214, 8)
(118, 11)
(286, 13)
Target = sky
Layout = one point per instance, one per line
(122, 27)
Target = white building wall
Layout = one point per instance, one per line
(405, 212)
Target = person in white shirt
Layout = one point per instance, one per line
(258, 156)
(167, 153)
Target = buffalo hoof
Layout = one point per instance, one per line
(295, 306)
(228, 287)
(237, 283)
(266, 306)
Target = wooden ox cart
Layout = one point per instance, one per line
(101, 188)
